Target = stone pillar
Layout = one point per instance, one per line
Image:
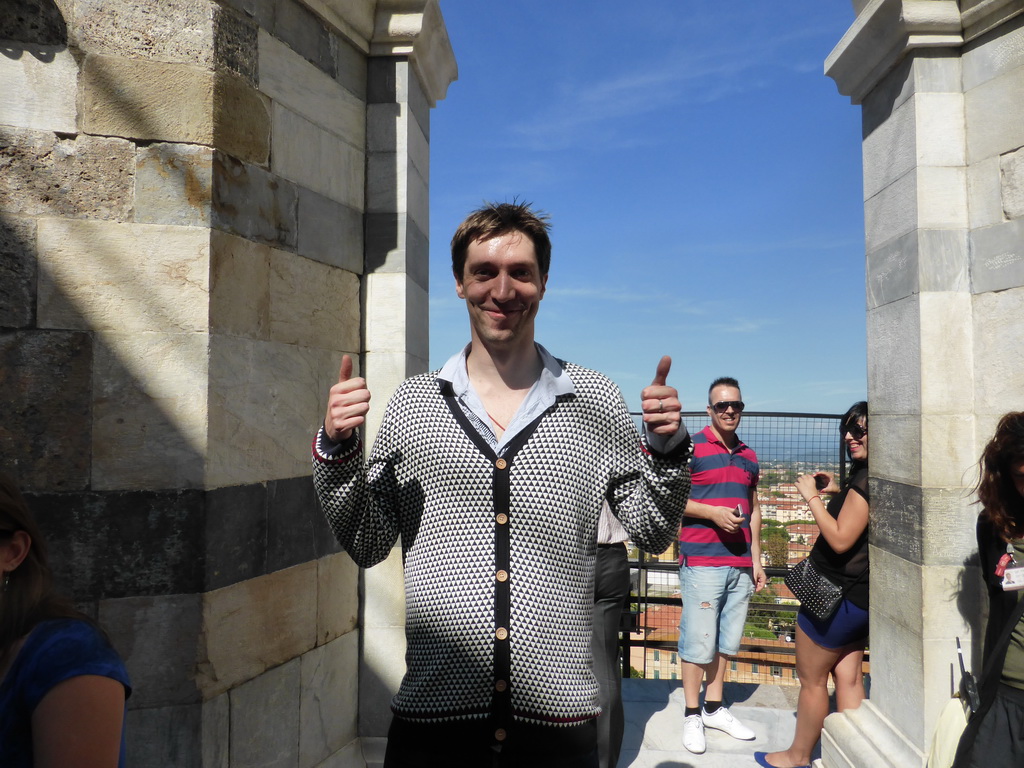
(182, 255)
(408, 71)
(940, 86)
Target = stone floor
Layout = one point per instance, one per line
(654, 717)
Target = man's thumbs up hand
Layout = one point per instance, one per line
(660, 402)
(347, 404)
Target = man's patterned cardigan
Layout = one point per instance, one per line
(499, 552)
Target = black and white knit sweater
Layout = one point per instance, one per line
(499, 552)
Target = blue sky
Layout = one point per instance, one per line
(703, 177)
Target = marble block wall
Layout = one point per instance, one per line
(939, 84)
(185, 204)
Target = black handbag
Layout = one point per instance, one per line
(817, 595)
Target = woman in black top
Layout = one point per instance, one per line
(998, 726)
(835, 646)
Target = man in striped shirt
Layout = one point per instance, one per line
(720, 563)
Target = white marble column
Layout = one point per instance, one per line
(936, 82)
(410, 67)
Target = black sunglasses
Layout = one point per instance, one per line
(856, 431)
(724, 405)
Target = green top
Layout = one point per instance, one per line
(1013, 666)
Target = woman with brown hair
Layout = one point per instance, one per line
(62, 687)
(998, 725)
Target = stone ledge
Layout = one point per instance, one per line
(864, 737)
(985, 15)
(419, 33)
(883, 33)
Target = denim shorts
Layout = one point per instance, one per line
(715, 600)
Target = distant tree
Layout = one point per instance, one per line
(775, 546)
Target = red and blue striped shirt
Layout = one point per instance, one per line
(723, 478)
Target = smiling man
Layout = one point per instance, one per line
(493, 471)
(719, 564)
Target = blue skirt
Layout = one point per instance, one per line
(847, 626)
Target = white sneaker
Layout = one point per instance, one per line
(693, 734)
(723, 720)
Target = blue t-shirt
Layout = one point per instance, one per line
(54, 651)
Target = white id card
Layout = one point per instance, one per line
(1013, 579)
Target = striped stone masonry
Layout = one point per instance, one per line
(197, 198)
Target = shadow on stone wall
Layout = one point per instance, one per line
(971, 600)
(33, 23)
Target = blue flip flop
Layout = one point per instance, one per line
(761, 758)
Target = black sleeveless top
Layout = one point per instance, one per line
(844, 569)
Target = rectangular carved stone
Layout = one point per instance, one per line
(40, 87)
(162, 101)
(152, 100)
(311, 302)
(395, 243)
(984, 193)
(17, 272)
(329, 699)
(1001, 53)
(300, 28)
(330, 232)
(150, 423)
(174, 184)
(239, 286)
(184, 31)
(250, 202)
(236, 534)
(99, 275)
(1011, 172)
(998, 316)
(297, 529)
(997, 256)
(312, 157)
(46, 388)
(896, 519)
(289, 79)
(102, 545)
(337, 597)
(947, 389)
(88, 176)
(260, 422)
(152, 735)
(256, 625)
(992, 131)
(168, 30)
(893, 212)
(157, 637)
(894, 357)
(265, 719)
(241, 117)
(351, 68)
(235, 44)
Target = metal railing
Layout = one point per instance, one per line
(787, 445)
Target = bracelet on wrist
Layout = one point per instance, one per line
(815, 496)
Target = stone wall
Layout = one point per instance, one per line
(941, 86)
(202, 206)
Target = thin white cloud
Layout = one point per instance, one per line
(588, 112)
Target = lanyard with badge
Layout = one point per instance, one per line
(1011, 573)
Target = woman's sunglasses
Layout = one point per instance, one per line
(856, 431)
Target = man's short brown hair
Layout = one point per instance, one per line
(495, 219)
